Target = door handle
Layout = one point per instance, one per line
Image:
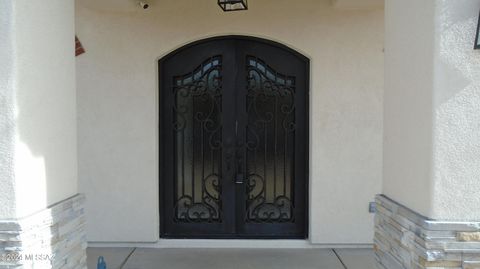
(239, 178)
(228, 160)
(228, 153)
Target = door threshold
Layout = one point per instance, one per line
(226, 243)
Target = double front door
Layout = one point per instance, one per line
(233, 161)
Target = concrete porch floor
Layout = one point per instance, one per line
(161, 258)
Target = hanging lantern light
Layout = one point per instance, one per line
(477, 37)
(233, 5)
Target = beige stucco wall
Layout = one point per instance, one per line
(456, 101)
(37, 104)
(432, 107)
(7, 114)
(118, 107)
(407, 101)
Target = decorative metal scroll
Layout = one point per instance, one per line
(197, 142)
(270, 144)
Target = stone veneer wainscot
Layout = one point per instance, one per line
(405, 239)
(52, 238)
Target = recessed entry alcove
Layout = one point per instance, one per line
(234, 140)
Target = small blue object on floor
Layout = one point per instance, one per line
(101, 263)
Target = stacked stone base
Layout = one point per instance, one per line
(407, 240)
(53, 238)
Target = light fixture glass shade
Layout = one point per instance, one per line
(233, 5)
(477, 41)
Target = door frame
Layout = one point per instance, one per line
(161, 180)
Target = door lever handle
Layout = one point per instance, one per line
(239, 179)
(228, 160)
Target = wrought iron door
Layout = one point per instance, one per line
(234, 138)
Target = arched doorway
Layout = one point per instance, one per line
(234, 140)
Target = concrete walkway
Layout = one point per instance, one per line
(161, 258)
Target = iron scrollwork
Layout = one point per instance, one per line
(197, 132)
(270, 130)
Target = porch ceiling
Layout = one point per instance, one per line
(131, 5)
(358, 4)
(114, 5)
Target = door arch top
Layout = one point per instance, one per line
(264, 40)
